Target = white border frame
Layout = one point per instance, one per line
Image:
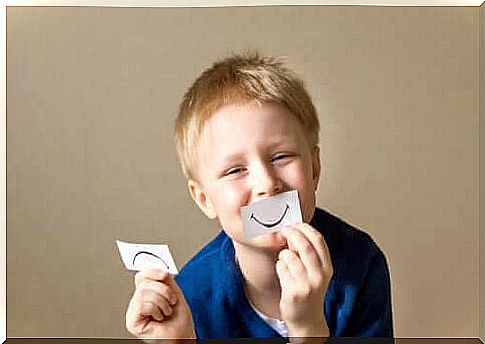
(229, 3)
(136, 3)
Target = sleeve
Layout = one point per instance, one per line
(372, 313)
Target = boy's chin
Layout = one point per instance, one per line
(274, 241)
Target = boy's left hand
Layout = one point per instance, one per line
(304, 270)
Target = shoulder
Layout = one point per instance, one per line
(211, 286)
(204, 259)
(341, 234)
(359, 301)
(202, 274)
(351, 249)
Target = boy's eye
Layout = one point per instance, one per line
(234, 170)
(280, 156)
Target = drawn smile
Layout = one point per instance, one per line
(272, 224)
(150, 254)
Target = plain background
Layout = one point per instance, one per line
(92, 95)
(482, 173)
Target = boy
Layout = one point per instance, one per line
(247, 130)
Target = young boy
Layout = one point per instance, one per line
(247, 130)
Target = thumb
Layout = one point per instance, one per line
(183, 311)
(170, 281)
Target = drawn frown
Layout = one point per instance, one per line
(271, 224)
(149, 254)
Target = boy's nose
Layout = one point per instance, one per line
(266, 182)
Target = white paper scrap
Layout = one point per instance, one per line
(139, 257)
(271, 214)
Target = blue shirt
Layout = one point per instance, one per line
(357, 302)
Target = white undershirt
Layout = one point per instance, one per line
(277, 324)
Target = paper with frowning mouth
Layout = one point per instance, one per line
(271, 214)
(138, 257)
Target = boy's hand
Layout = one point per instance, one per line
(304, 270)
(158, 308)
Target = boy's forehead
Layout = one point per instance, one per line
(237, 125)
(244, 113)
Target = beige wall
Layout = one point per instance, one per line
(482, 172)
(91, 98)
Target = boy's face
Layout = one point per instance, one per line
(247, 153)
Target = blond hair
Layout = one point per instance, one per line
(240, 78)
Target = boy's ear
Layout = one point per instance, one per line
(203, 202)
(316, 167)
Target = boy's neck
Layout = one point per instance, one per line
(261, 282)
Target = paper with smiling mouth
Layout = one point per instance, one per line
(138, 257)
(270, 215)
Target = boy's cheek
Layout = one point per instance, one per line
(308, 209)
(231, 222)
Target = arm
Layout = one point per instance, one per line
(158, 309)
(304, 271)
(372, 313)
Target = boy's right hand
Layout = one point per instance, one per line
(158, 308)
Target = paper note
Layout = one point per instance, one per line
(271, 214)
(139, 257)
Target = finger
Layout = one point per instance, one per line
(287, 233)
(299, 243)
(293, 264)
(151, 309)
(164, 306)
(161, 302)
(151, 274)
(161, 288)
(139, 309)
(319, 244)
(282, 272)
(154, 296)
